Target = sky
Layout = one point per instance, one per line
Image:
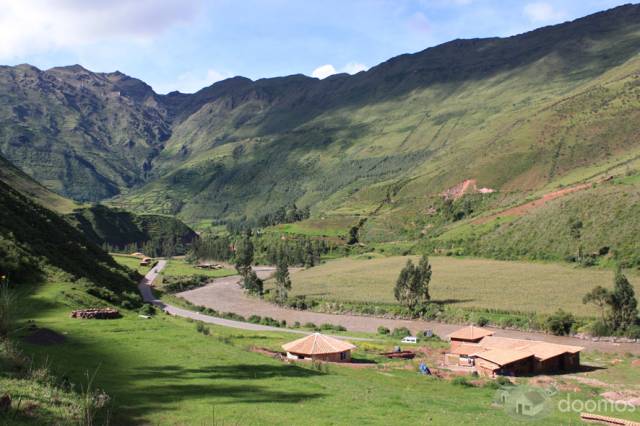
(186, 45)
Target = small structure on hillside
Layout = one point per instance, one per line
(489, 355)
(146, 261)
(96, 313)
(137, 254)
(320, 347)
(206, 265)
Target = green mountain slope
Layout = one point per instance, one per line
(37, 244)
(516, 114)
(520, 115)
(116, 229)
(104, 226)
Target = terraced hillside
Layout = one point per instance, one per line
(520, 115)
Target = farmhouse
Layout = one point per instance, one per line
(491, 355)
(317, 346)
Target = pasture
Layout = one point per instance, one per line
(161, 371)
(463, 282)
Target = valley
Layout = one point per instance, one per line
(446, 229)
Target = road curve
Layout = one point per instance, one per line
(146, 290)
(225, 295)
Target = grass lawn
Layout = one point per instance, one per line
(161, 371)
(178, 267)
(466, 282)
(175, 267)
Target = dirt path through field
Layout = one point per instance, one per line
(225, 295)
(523, 209)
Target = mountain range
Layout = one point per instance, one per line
(522, 116)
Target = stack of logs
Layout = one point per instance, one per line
(96, 313)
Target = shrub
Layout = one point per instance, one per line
(560, 323)
(148, 309)
(199, 327)
(633, 331)
(482, 321)
(461, 381)
(296, 324)
(401, 332)
(599, 328)
(255, 319)
(503, 381)
(383, 330)
(310, 325)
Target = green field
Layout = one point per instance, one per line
(463, 282)
(161, 371)
(175, 267)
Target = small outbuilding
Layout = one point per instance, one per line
(318, 346)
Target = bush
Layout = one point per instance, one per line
(560, 323)
(310, 325)
(255, 319)
(633, 332)
(461, 381)
(401, 332)
(503, 381)
(296, 324)
(148, 309)
(199, 327)
(383, 330)
(482, 321)
(600, 328)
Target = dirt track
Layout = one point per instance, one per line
(225, 295)
(523, 209)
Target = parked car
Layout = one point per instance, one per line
(410, 339)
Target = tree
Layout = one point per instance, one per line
(283, 281)
(353, 235)
(412, 286)
(624, 305)
(244, 255)
(600, 297)
(252, 284)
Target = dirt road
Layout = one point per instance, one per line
(225, 295)
(146, 290)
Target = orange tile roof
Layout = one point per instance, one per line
(317, 344)
(504, 357)
(541, 350)
(466, 349)
(470, 333)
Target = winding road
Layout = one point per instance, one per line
(225, 295)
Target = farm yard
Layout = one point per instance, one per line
(163, 371)
(463, 282)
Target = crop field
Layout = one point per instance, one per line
(161, 371)
(464, 282)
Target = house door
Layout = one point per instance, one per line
(519, 408)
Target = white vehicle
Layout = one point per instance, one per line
(410, 339)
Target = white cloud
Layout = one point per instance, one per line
(542, 12)
(323, 71)
(326, 70)
(191, 81)
(35, 26)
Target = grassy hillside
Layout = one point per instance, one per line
(522, 115)
(467, 283)
(37, 244)
(26, 185)
(161, 371)
(120, 229)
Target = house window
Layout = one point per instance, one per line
(343, 356)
